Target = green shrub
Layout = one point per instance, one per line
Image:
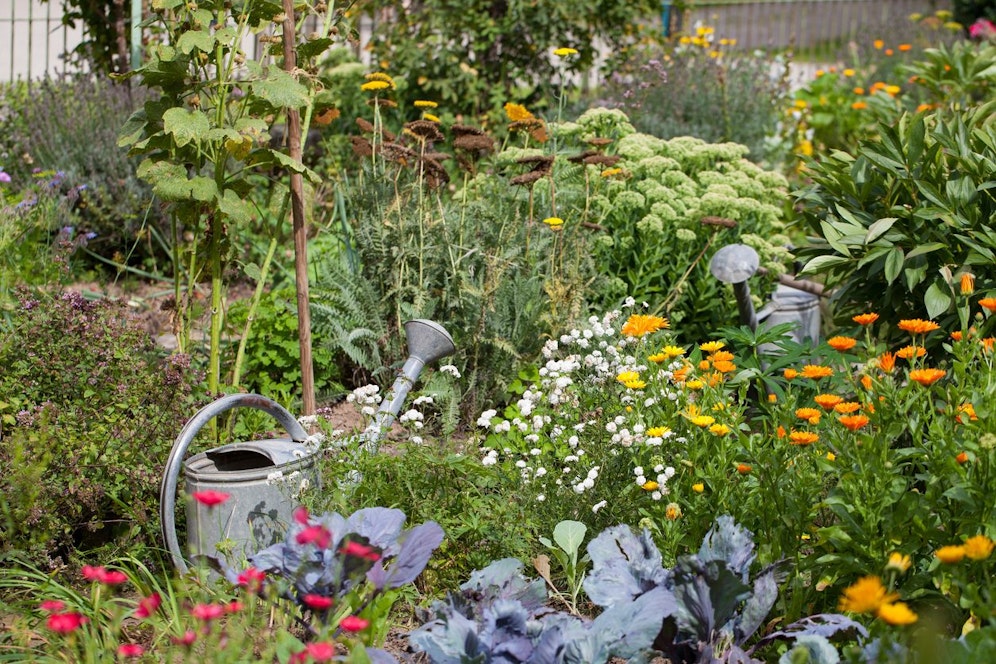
(70, 127)
(895, 224)
(88, 411)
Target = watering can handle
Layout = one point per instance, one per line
(167, 491)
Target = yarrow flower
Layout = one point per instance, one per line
(375, 86)
(517, 112)
(423, 103)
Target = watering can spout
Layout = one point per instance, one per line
(427, 342)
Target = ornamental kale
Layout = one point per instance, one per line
(710, 608)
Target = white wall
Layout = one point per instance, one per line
(33, 39)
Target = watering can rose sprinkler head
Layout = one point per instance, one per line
(427, 342)
(735, 264)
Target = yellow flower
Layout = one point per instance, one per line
(878, 44)
(553, 222)
(865, 595)
(719, 430)
(431, 117)
(950, 554)
(896, 614)
(800, 104)
(673, 351)
(831, 456)
(698, 487)
(422, 103)
(899, 562)
(517, 112)
(657, 432)
(703, 420)
(609, 172)
(848, 72)
(657, 358)
(978, 547)
(639, 325)
(712, 346)
(695, 384)
(374, 86)
(967, 283)
(672, 512)
(627, 376)
(564, 52)
(650, 485)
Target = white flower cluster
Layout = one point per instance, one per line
(367, 398)
(661, 480)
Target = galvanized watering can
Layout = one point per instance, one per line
(794, 300)
(264, 478)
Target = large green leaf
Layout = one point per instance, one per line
(894, 264)
(281, 89)
(877, 229)
(169, 181)
(237, 210)
(822, 264)
(199, 39)
(937, 299)
(186, 126)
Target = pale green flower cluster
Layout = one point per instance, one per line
(604, 123)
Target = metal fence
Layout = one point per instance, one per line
(33, 40)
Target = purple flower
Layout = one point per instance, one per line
(4, 176)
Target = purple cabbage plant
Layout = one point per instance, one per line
(353, 561)
(703, 611)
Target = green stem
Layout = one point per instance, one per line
(253, 305)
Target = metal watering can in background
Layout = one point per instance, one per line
(794, 300)
(262, 478)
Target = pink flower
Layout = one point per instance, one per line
(148, 605)
(187, 639)
(301, 516)
(130, 650)
(210, 498)
(353, 624)
(52, 606)
(317, 602)
(322, 651)
(64, 623)
(983, 28)
(317, 535)
(103, 575)
(207, 612)
(358, 550)
(234, 606)
(252, 579)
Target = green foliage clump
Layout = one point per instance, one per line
(89, 410)
(69, 127)
(895, 224)
(473, 57)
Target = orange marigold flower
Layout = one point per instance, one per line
(859, 105)
(808, 414)
(962, 458)
(865, 319)
(987, 343)
(853, 422)
(918, 326)
(680, 375)
(639, 325)
(790, 374)
(951, 554)
(967, 283)
(908, 352)
(827, 401)
(927, 376)
(896, 613)
(866, 382)
(878, 44)
(743, 468)
(721, 356)
(988, 303)
(704, 365)
(865, 595)
(904, 47)
(956, 335)
(722, 366)
(772, 397)
(847, 407)
(978, 547)
(816, 371)
(887, 362)
(842, 343)
(969, 410)
(803, 437)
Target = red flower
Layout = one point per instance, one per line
(317, 535)
(148, 605)
(962, 457)
(358, 550)
(252, 579)
(207, 612)
(52, 606)
(210, 498)
(187, 639)
(322, 651)
(234, 606)
(130, 650)
(64, 623)
(353, 624)
(102, 575)
(317, 602)
(91, 573)
(301, 516)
